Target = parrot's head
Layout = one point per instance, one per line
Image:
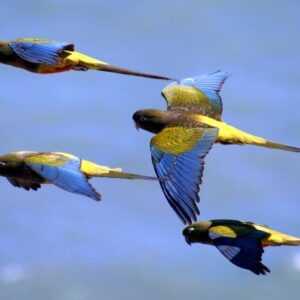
(9, 158)
(12, 162)
(152, 120)
(196, 233)
(5, 51)
(16, 157)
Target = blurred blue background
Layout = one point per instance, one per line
(58, 245)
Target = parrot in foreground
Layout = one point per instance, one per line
(185, 133)
(29, 170)
(240, 242)
(46, 57)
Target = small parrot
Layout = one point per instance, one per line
(29, 170)
(185, 133)
(240, 242)
(46, 57)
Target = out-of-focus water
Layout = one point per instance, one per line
(56, 245)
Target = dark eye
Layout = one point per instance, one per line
(191, 229)
(143, 118)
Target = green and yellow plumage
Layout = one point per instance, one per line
(29, 170)
(276, 238)
(46, 57)
(54, 159)
(231, 135)
(177, 140)
(185, 133)
(178, 96)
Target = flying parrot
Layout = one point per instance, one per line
(29, 170)
(185, 133)
(240, 242)
(46, 57)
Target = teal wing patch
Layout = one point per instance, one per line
(181, 171)
(39, 51)
(68, 177)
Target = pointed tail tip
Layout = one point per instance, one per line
(295, 242)
(125, 175)
(114, 69)
(282, 147)
(290, 148)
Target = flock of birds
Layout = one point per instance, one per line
(184, 134)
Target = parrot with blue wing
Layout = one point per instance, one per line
(185, 133)
(240, 242)
(46, 57)
(29, 170)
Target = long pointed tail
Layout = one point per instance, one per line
(277, 238)
(91, 169)
(110, 68)
(292, 242)
(231, 135)
(79, 60)
(247, 138)
(124, 175)
(279, 146)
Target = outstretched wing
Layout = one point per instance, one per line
(244, 249)
(199, 94)
(64, 173)
(178, 157)
(39, 51)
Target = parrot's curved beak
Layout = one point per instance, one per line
(186, 233)
(136, 125)
(188, 240)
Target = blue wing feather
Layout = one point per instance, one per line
(40, 52)
(210, 84)
(183, 175)
(68, 177)
(166, 162)
(250, 251)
